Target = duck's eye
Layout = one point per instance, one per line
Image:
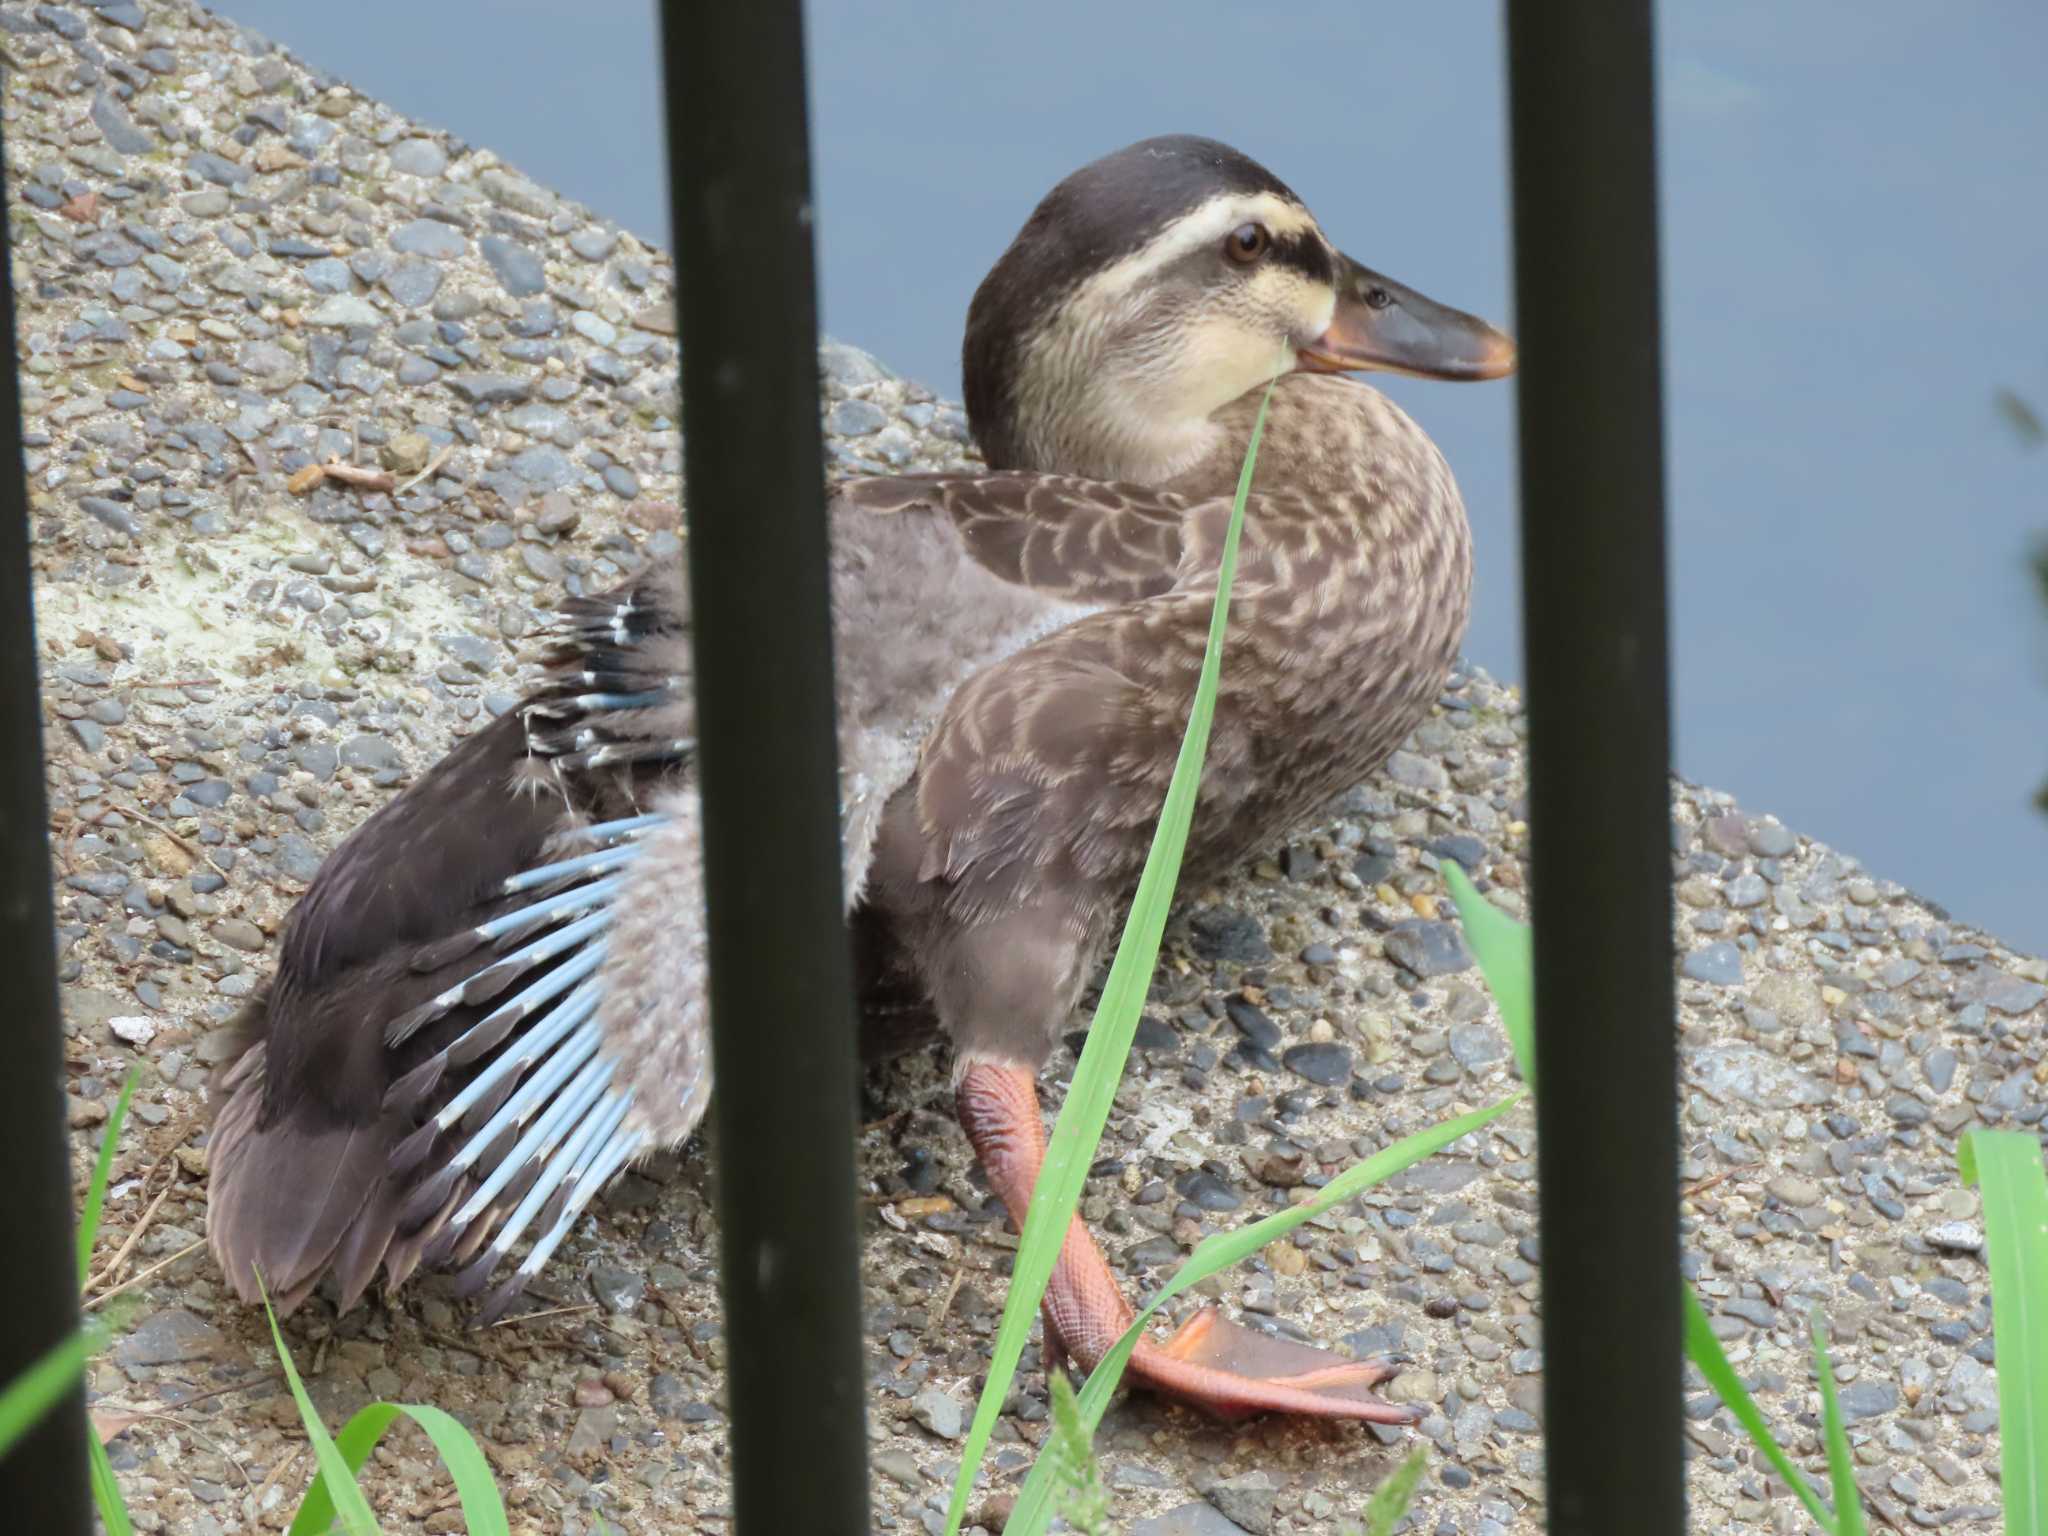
(1247, 243)
(1377, 298)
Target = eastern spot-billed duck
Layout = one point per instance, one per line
(492, 997)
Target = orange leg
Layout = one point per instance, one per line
(1210, 1363)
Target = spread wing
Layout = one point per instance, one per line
(491, 998)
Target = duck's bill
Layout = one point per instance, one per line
(1383, 326)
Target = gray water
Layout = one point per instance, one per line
(1855, 246)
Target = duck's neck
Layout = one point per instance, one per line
(1327, 437)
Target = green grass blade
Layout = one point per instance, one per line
(338, 1475)
(36, 1390)
(1079, 1127)
(1705, 1352)
(1841, 1464)
(1033, 1511)
(2007, 1165)
(96, 1191)
(1084, 1503)
(1391, 1499)
(1506, 958)
(483, 1511)
(106, 1493)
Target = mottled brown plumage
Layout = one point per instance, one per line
(492, 997)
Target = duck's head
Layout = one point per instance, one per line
(1155, 286)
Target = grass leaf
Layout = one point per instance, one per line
(1506, 956)
(483, 1511)
(2007, 1165)
(335, 1472)
(1507, 959)
(1391, 1499)
(1706, 1353)
(1841, 1463)
(106, 1493)
(36, 1390)
(96, 1191)
(1079, 1127)
(1033, 1511)
(1084, 1503)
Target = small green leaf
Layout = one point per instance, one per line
(483, 1511)
(2007, 1165)
(1705, 1352)
(338, 1476)
(1084, 1503)
(1033, 1511)
(39, 1388)
(106, 1493)
(1391, 1499)
(96, 1191)
(1841, 1463)
(1506, 958)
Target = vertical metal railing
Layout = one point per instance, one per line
(43, 1479)
(1586, 285)
(781, 986)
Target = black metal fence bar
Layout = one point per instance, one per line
(1585, 189)
(43, 1479)
(781, 994)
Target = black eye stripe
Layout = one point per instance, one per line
(1303, 253)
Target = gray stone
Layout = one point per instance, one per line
(1746, 891)
(429, 237)
(1428, 949)
(1477, 1045)
(167, 1338)
(413, 282)
(1755, 1077)
(519, 271)
(1189, 1520)
(1323, 1062)
(517, 193)
(1247, 1500)
(1956, 1236)
(418, 157)
(940, 1412)
(1867, 1399)
(617, 1290)
(594, 242)
(1769, 840)
(855, 418)
(371, 753)
(208, 166)
(490, 388)
(329, 275)
(1719, 964)
(119, 131)
(848, 368)
(1223, 933)
(344, 309)
(297, 858)
(2006, 994)
(545, 466)
(238, 933)
(1416, 772)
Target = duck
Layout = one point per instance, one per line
(491, 998)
